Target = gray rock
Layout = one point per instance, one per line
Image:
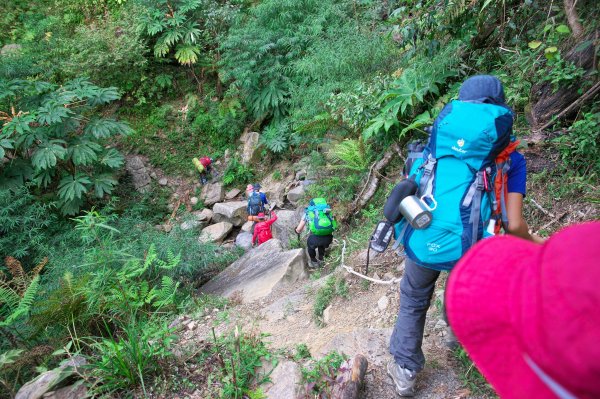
(440, 324)
(212, 193)
(10, 49)
(192, 224)
(285, 226)
(247, 227)
(289, 304)
(134, 165)
(233, 212)
(43, 383)
(194, 200)
(250, 148)
(260, 270)
(231, 194)
(383, 303)
(372, 343)
(275, 189)
(327, 315)
(163, 181)
(153, 175)
(215, 233)
(301, 174)
(244, 240)
(205, 215)
(75, 391)
(296, 194)
(286, 382)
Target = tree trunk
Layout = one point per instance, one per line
(573, 18)
(547, 103)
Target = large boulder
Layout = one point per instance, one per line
(285, 226)
(140, 177)
(244, 240)
(215, 233)
(275, 188)
(212, 193)
(250, 147)
(286, 382)
(231, 194)
(259, 271)
(233, 212)
(46, 381)
(296, 194)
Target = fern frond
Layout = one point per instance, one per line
(38, 268)
(25, 303)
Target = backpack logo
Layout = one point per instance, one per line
(433, 247)
(460, 143)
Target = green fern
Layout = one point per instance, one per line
(350, 155)
(25, 303)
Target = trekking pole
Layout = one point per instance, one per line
(368, 256)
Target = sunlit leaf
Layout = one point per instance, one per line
(534, 44)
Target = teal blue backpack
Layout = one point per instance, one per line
(455, 175)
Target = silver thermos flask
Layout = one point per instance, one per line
(416, 211)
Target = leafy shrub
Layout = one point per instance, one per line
(333, 287)
(237, 173)
(53, 138)
(133, 358)
(580, 146)
(24, 223)
(320, 375)
(235, 359)
(109, 52)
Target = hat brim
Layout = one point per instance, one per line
(482, 299)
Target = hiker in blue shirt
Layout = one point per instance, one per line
(418, 281)
(257, 201)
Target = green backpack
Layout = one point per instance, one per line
(320, 221)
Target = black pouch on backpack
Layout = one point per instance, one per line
(391, 210)
(381, 237)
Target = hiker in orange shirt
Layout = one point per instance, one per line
(262, 230)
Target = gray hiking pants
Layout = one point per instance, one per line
(416, 290)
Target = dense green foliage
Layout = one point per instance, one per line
(54, 140)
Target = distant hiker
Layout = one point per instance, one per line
(203, 165)
(528, 315)
(262, 229)
(257, 201)
(470, 153)
(321, 225)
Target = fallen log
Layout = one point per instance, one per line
(548, 105)
(372, 182)
(351, 378)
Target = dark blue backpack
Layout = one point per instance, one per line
(255, 204)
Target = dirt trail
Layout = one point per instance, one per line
(355, 322)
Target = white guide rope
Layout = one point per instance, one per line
(374, 280)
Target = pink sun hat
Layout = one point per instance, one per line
(528, 315)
